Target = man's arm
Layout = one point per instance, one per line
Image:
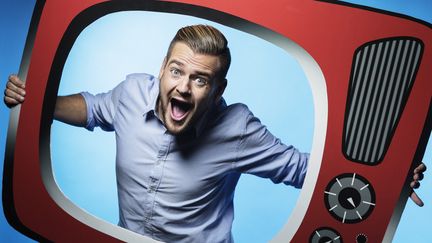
(274, 153)
(69, 109)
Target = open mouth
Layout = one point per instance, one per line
(179, 109)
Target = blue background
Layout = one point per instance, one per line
(106, 51)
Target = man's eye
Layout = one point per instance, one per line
(175, 72)
(200, 81)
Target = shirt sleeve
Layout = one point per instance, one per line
(101, 108)
(261, 153)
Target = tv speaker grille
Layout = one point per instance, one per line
(382, 75)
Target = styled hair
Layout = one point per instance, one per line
(205, 39)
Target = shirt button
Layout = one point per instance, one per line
(161, 153)
(151, 188)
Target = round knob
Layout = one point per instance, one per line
(349, 198)
(325, 235)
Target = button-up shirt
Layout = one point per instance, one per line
(181, 189)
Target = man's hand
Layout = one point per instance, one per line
(69, 109)
(418, 176)
(15, 91)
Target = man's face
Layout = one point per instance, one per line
(188, 87)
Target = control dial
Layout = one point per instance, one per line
(325, 235)
(349, 198)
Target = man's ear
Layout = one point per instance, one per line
(162, 68)
(220, 89)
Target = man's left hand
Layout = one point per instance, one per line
(415, 183)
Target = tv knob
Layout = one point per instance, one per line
(349, 198)
(325, 234)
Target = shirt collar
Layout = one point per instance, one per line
(210, 113)
(153, 97)
(202, 123)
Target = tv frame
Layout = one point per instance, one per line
(15, 197)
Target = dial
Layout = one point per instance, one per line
(349, 198)
(325, 235)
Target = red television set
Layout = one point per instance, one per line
(369, 71)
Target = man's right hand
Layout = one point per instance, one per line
(14, 93)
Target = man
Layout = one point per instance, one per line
(180, 148)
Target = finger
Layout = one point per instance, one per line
(10, 102)
(13, 95)
(415, 184)
(16, 81)
(17, 89)
(418, 177)
(416, 199)
(420, 168)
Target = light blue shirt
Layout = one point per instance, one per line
(181, 189)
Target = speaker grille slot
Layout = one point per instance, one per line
(382, 75)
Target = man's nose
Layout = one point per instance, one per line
(183, 86)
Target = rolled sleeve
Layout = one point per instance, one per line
(101, 108)
(90, 123)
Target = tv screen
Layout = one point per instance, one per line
(115, 45)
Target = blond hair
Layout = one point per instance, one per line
(205, 39)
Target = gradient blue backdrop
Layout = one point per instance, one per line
(99, 67)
